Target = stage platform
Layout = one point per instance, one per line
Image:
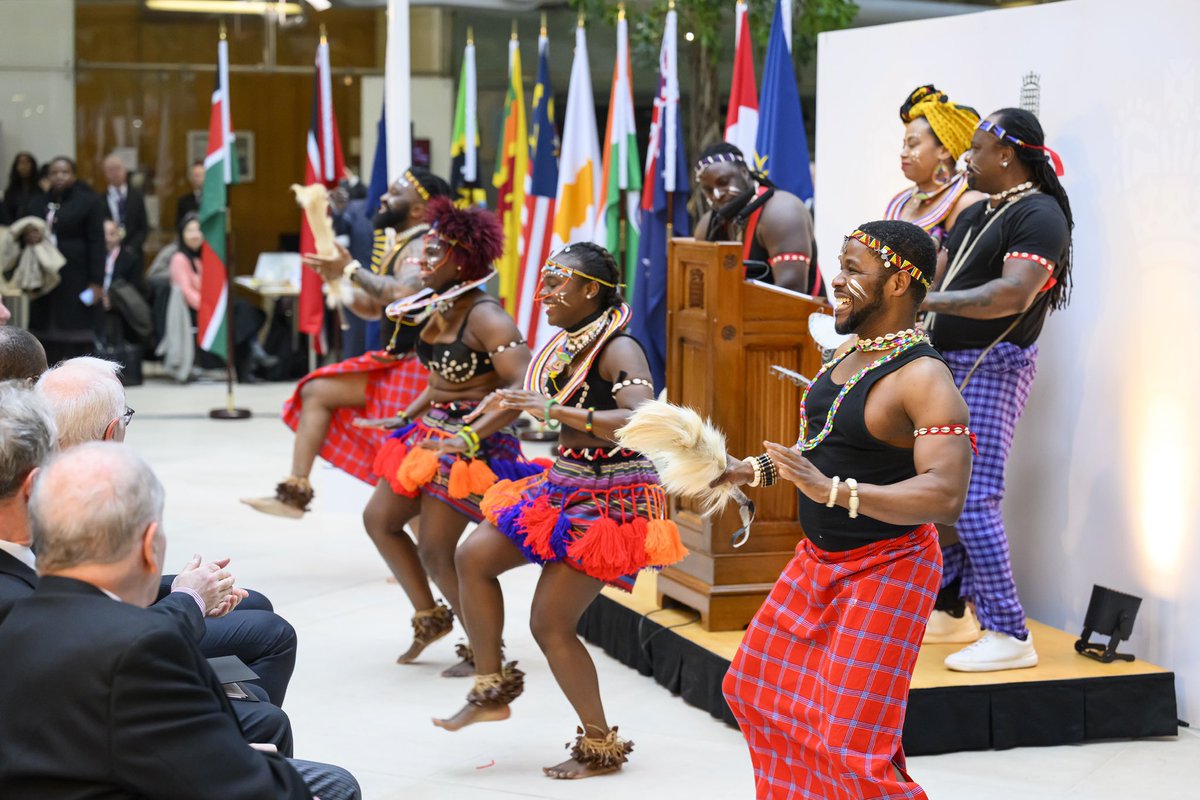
(1066, 699)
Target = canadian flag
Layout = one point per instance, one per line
(741, 120)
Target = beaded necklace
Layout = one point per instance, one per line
(809, 444)
(418, 307)
(549, 363)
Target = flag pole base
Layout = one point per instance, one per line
(230, 413)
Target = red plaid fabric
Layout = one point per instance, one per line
(391, 386)
(820, 683)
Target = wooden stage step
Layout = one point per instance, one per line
(1067, 698)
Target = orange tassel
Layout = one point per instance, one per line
(459, 485)
(501, 496)
(418, 469)
(537, 522)
(388, 458)
(635, 543)
(604, 550)
(480, 476)
(663, 545)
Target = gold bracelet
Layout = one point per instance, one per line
(833, 492)
(853, 486)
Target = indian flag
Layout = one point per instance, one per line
(620, 193)
(512, 166)
(578, 196)
(212, 317)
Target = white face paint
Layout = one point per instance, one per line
(855, 288)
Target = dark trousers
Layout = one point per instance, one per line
(263, 723)
(327, 781)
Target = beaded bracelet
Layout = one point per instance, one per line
(587, 426)
(758, 471)
(833, 492)
(853, 486)
(552, 424)
(471, 438)
(619, 385)
(769, 472)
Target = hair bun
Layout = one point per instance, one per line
(922, 94)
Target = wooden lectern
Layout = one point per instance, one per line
(723, 336)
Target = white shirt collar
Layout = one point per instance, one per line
(21, 552)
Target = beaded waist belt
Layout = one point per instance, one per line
(596, 453)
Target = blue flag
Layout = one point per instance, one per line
(375, 192)
(782, 143)
(649, 323)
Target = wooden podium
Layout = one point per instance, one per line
(723, 336)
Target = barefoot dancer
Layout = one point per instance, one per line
(437, 465)
(820, 682)
(329, 405)
(595, 518)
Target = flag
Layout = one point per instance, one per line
(664, 209)
(541, 185)
(376, 189)
(323, 165)
(620, 206)
(741, 120)
(212, 316)
(578, 195)
(512, 165)
(464, 143)
(782, 146)
(397, 87)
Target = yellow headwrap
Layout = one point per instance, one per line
(952, 124)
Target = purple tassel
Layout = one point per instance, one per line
(561, 538)
(400, 433)
(509, 523)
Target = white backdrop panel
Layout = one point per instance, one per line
(1104, 480)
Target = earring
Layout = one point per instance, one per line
(1004, 164)
(941, 175)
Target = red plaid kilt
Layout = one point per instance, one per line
(820, 682)
(391, 386)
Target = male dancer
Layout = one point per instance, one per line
(330, 405)
(820, 682)
(774, 226)
(1009, 265)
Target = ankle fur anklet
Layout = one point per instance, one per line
(608, 753)
(498, 688)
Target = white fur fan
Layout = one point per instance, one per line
(688, 452)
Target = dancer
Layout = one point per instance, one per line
(1010, 265)
(774, 226)
(438, 465)
(820, 682)
(936, 134)
(330, 405)
(596, 518)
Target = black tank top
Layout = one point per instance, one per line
(456, 361)
(850, 451)
(596, 392)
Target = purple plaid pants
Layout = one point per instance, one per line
(996, 396)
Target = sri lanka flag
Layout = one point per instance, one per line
(512, 166)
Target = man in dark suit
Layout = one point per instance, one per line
(190, 203)
(87, 401)
(127, 705)
(27, 438)
(126, 206)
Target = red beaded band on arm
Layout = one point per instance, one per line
(783, 258)
(1036, 259)
(949, 430)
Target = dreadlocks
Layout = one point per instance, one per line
(1025, 126)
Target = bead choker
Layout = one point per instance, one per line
(1007, 193)
(890, 340)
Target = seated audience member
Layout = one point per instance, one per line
(127, 707)
(124, 299)
(88, 403)
(22, 357)
(27, 437)
(186, 274)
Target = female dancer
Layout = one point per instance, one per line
(330, 405)
(596, 518)
(936, 134)
(438, 465)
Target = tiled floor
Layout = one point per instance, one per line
(352, 705)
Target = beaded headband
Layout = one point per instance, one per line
(416, 184)
(890, 256)
(1000, 133)
(717, 158)
(558, 270)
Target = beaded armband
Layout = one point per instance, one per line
(503, 347)
(619, 385)
(1045, 263)
(783, 258)
(949, 430)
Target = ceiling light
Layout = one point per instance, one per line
(259, 7)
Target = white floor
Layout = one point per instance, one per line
(351, 704)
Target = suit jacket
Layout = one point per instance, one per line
(137, 224)
(17, 581)
(79, 228)
(127, 707)
(188, 204)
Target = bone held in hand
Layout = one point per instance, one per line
(314, 199)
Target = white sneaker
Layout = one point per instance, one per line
(994, 652)
(945, 628)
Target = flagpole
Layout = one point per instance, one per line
(665, 134)
(230, 411)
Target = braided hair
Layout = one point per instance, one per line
(1025, 126)
(435, 186)
(593, 260)
(912, 243)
